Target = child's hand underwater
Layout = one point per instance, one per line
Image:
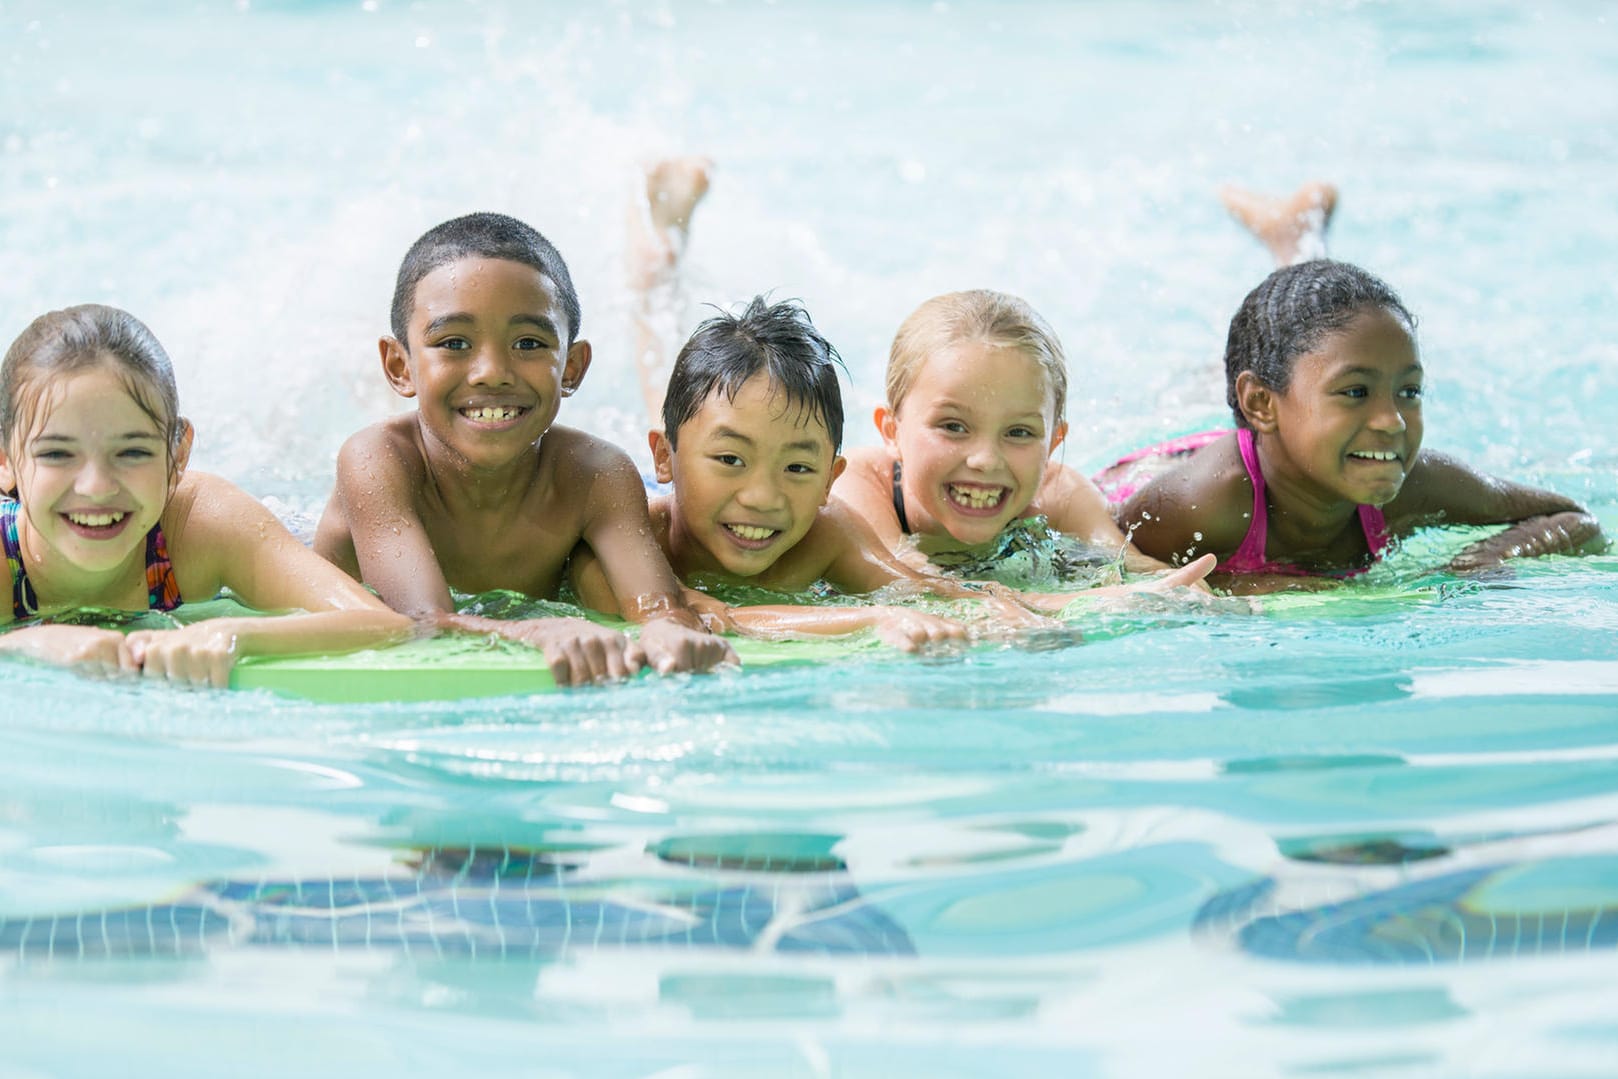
(913, 631)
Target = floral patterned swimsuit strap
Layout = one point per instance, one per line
(162, 587)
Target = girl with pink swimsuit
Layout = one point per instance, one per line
(1326, 465)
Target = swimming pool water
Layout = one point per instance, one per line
(1368, 834)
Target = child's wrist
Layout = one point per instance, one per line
(663, 607)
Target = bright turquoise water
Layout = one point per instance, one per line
(1371, 835)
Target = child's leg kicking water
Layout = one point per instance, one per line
(658, 229)
(1293, 227)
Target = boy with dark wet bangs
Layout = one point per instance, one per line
(752, 426)
(478, 489)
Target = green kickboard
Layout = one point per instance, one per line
(446, 669)
(453, 668)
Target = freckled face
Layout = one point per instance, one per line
(1349, 424)
(92, 478)
(750, 477)
(488, 359)
(974, 434)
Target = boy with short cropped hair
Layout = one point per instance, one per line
(478, 489)
(752, 425)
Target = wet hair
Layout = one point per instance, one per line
(775, 338)
(1291, 312)
(994, 318)
(62, 343)
(481, 236)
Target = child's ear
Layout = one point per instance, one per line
(1058, 435)
(838, 464)
(578, 362)
(396, 366)
(8, 478)
(1257, 402)
(887, 424)
(182, 454)
(662, 456)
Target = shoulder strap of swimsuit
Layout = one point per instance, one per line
(1376, 530)
(1249, 557)
(899, 498)
(24, 603)
(162, 588)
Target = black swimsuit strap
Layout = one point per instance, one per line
(899, 498)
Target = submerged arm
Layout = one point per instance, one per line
(900, 627)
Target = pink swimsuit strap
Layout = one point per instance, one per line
(1250, 558)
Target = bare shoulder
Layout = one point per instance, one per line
(209, 524)
(589, 480)
(1441, 488)
(866, 488)
(1204, 502)
(389, 449)
(868, 467)
(204, 502)
(1066, 494)
(574, 447)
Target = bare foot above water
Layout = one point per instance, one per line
(1293, 228)
(660, 223)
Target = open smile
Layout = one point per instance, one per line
(976, 499)
(97, 524)
(494, 416)
(751, 537)
(1376, 458)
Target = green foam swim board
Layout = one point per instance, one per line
(452, 668)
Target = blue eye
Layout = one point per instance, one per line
(1022, 432)
(954, 427)
(53, 456)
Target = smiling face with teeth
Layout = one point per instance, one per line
(973, 434)
(750, 476)
(93, 475)
(1348, 426)
(488, 361)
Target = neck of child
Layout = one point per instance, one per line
(463, 485)
(1303, 519)
(62, 585)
